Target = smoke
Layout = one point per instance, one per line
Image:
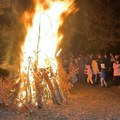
(23, 5)
(13, 35)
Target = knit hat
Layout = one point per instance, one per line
(102, 65)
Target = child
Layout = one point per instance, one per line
(88, 71)
(103, 75)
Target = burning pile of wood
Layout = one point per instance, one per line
(43, 79)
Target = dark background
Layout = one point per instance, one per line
(94, 28)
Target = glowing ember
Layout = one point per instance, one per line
(39, 66)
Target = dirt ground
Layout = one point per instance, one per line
(87, 102)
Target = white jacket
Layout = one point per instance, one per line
(116, 68)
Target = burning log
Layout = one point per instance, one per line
(57, 98)
(38, 87)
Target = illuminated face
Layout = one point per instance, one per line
(116, 56)
(99, 56)
(88, 66)
(105, 56)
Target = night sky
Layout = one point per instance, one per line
(95, 26)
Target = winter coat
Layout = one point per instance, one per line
(95, 67)
(88, 71)
(116, 68)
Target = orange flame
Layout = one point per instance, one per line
(43, 35)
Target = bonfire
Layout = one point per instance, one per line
(42, 78)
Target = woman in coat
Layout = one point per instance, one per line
(95, 69)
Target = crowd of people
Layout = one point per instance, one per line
(93, 68)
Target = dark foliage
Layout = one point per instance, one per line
(95, 27)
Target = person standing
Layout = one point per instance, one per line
(116, 73)
(107, 65)
(103, 76)
(99, 61)
(88, 71)
(95, 69)
(112, 60)
(81, 67)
